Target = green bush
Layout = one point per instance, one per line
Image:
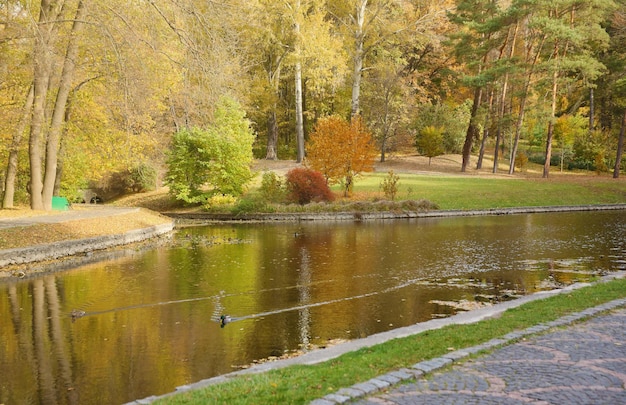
(142, 178)
(429, 142)
(389, 185)
(251, 204)
(521, 160)
(272, 188)
(215, 160)
(219, 202)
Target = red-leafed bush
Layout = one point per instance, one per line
(306, 185)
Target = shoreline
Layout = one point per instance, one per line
(318, 356)
(378, 215)
(58, 256)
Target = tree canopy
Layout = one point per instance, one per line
(214, 160)
(89, 88)
(341, 150)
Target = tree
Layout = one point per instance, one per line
(620, 147)
(341, 150)
(566, 130)
(429, 142)
(271, 40)
(574, 31)
(473, 46)
(12, 164)
(452, 120)
(614, 83)
(203, 163)
(386, 108)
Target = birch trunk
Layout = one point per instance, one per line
(359, 55)
(298, 78)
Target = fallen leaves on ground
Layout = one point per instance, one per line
(79, 229)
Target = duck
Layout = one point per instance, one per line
(224, 319)
(76, 313)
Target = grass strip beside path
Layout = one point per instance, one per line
(302, 384)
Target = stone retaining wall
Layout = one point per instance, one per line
(55, 250)
(362, 216)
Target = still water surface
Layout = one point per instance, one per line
(150, 321)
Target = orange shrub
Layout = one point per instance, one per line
(306, 185)
(341, 150)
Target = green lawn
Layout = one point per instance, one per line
(301, 384)
(468, 192)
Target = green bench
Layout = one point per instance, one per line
(60, 204)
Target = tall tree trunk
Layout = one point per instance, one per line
(518, 127)
(496, 150)
(298, 77)
(273, 73)
(299, 114)
(522, 108)
(483, 142)
(472, 129)
(359, 55)
(58, 114)
(501, 111)
(620, 147)
(272, 136)
(481, 151)
(12, 165)
(56, 191)
(592, 108)
(41, 79)
(546, 166)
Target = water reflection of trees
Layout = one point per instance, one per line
(41, 346)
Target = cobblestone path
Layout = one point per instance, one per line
(582, 364)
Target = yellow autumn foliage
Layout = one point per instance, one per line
(340, 150)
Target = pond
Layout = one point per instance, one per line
(148, 322)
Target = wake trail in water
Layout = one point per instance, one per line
(329, 302)
(219, 307)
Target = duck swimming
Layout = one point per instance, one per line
(224, 319)
(75, 314)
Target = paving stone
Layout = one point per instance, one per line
(515, 335)
(495, 343)
(379, 383)
(350, 392)
(581, 363)
(366, 387)
(538, 329)
(337, 399)
(456, 355)
(413, 371)
(402, 374)
(430, 365)
(477, 348)
(322, 402)
(391, 379)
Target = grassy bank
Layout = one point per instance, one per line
(423, 191)
(470, 192)
(301, 384)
